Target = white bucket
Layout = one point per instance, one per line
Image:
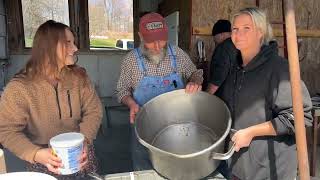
(2, 163)
(68, 147)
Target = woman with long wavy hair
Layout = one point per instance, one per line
(49, 96)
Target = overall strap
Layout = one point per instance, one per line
(173, 57)
(140, 60)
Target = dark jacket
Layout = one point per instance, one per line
(224, 59)
(257, 93)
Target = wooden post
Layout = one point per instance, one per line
(2, 163)
(300, 131)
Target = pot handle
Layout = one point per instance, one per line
(227, 155)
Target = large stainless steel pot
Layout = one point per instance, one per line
(184, 133)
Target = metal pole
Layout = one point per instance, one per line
(300, 131)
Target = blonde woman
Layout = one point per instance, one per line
(259, 96)
(51, 95)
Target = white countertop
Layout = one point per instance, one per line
(149, 175)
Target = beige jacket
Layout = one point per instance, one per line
(31, 112)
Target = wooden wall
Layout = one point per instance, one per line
(206, 12)
(308, 16)
(15, 25)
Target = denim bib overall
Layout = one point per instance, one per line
(152, 86)
(148, 88)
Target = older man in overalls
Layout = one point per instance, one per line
(156, 67)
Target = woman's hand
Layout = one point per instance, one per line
(84, 156)
(193, 87)
(242, 138)
(47, 158)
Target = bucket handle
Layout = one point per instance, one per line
(227, 155)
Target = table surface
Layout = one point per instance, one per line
(149, 175)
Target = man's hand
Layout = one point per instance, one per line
(212, 88)
(47, 158)
(193, 87)
(133, 106)
(134, 109)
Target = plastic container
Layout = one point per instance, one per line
(2, 163)
(68, 147)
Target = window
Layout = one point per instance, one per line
(36, 12)
(109, 22)
(97, 23)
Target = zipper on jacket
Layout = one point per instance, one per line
(69, 102)
(57, 96)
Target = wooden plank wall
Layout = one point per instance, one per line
(308, 18)
(206, 12)
(15, 25)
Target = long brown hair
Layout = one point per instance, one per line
(44, 60)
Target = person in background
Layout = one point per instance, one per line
(221, 31)
(260, 102)
(223, 63)
(156, 67)
(224, 58)
(49, 96)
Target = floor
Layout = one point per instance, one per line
(112, 147)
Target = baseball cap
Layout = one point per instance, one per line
(221, 26)
(153, 27)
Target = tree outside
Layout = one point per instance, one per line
(36, 12)
(110, 20)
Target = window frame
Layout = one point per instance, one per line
(79, 24)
